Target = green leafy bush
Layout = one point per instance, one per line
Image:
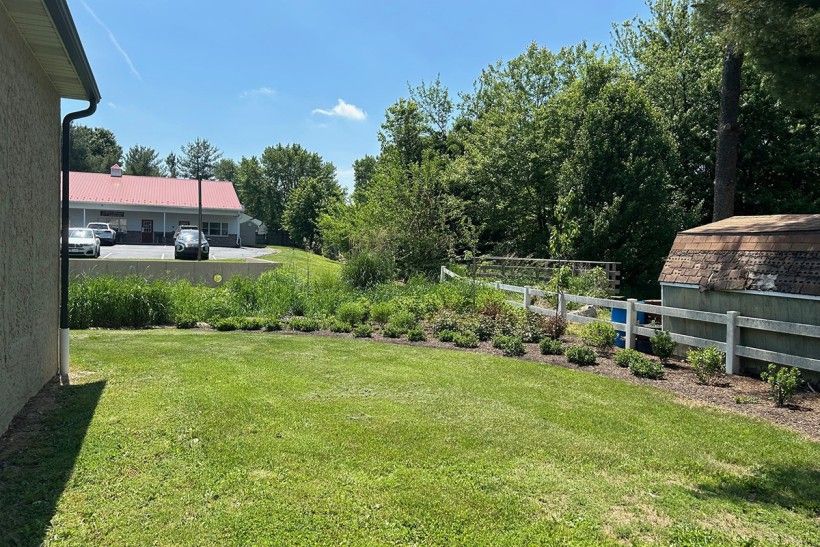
(352, 313)
(551, 346)
(116, 302)
(465, 339)
(416, 334)
(581, 355)
(303, 324)
(367, 269)
(271, 324)
(226, 324)
(251, 323)
(783, 382)
(532, 327)
(707, 363)
(623, 357)
(642, 366)
(445, 320)
(392, 331)
(599, 335)
(482, 326)
(555, 326)
(402, 320)
(340, 326)
(662, 345)
(511, 346)
(446, 335)
(185, 321)
(363, 330)
(380, 312)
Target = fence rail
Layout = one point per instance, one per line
(731, 319)
(540, 268)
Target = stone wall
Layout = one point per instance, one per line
(29, 209)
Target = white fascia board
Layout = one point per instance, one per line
(761, 293)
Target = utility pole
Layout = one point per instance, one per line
(199, 221)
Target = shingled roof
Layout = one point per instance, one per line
(779, 253)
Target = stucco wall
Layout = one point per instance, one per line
(29, 212)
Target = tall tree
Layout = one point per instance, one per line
(728, 134)
(363, 170)
(171, 165)
(311, 199)
(93, 149)
(225, 169)
(198, 160)
(142, 160)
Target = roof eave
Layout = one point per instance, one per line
(64, 23)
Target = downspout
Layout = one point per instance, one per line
(66, 148)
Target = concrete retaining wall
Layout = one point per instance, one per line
(208, 272)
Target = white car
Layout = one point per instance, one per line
(83, 242)
(104, 232)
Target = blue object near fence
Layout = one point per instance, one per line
(618, 315)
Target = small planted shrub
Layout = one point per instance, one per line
(623, 357)
(512, 346)
(392, 331)
(251, 323)
(466, 339)
(352, 313)
(662, 345)
(402, 320)
(380, 312)
(555, 326)
(783, 382)
(599, 335)
(644, 367)
(416, 334)
(707, 363)
(532, 327)
(364, 330)
(340, 326)
(446, 335)
(303, 324)
(226, 324)
(185, 321)
(551, 346)
(581, 355)
(445, 320)
(271, 324)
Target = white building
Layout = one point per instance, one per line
(147, 210)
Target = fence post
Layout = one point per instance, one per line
(732, 338)
(562, 306)
(631, 318)
(526, 297)
(441, 275)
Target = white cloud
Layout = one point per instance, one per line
(114, 41)
(263, 91)
(343, 110)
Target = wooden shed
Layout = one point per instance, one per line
(760, 266)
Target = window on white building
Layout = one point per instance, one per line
(215, 228)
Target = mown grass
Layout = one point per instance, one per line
(217, 438)
(302, 261)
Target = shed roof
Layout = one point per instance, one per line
(779, 253)
(105, 189)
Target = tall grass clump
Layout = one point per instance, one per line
(113, 302)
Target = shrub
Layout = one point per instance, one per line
(599, 335)
(340, 326)
(482, 326)
(250, 323)
(551, 346)
(416, 334)
(581, 355)
(226, 324)
(363, 330)
(392, 331)
(511, 346)
(446, 335)
(185, 321)
(271, 324)
(367, 269)
(623, 357)
(466, 339)
(352, 313)
(116, 302)
(445, 320)
(303, 324)
(783, 382)
(402, 320)
(532, 327)
(380, 312)
(707, 363)
(662, 345)
(644, 367)
(555, 326)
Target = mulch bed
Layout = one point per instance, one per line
(735, 393)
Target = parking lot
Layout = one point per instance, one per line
(167, 252)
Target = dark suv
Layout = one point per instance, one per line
(185, 245)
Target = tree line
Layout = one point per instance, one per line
(694, 113)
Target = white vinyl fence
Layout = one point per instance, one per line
(731, 319)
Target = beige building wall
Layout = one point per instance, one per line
(30, 218)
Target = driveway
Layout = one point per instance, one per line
(167, 252)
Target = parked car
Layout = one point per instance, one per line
(185, 244)
(183, 227)
(104, 231)
(83, 242)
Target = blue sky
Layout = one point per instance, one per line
(248, 74)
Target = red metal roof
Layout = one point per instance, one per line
(102, 188)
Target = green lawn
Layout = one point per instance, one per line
(178, 437)
(303, 261)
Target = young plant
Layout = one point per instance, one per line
(551, 346)
(380, 312)
(707, 363)
(303, 324)
(185, 321)
(662, 345)
(555, 327)
(783, 382)
(226, 324)
(416, 334)
(402, 321)
(644, 367)
(446, 335)
(624, 357)
(511, 346)
(338, 325)
(364, 330)
(466, 339)
(599, 335)
(271, 324)
(251, 323)
(392, 331)
(352, 313)
(581, 355)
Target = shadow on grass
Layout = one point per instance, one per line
(794, 488)
(37, 455)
